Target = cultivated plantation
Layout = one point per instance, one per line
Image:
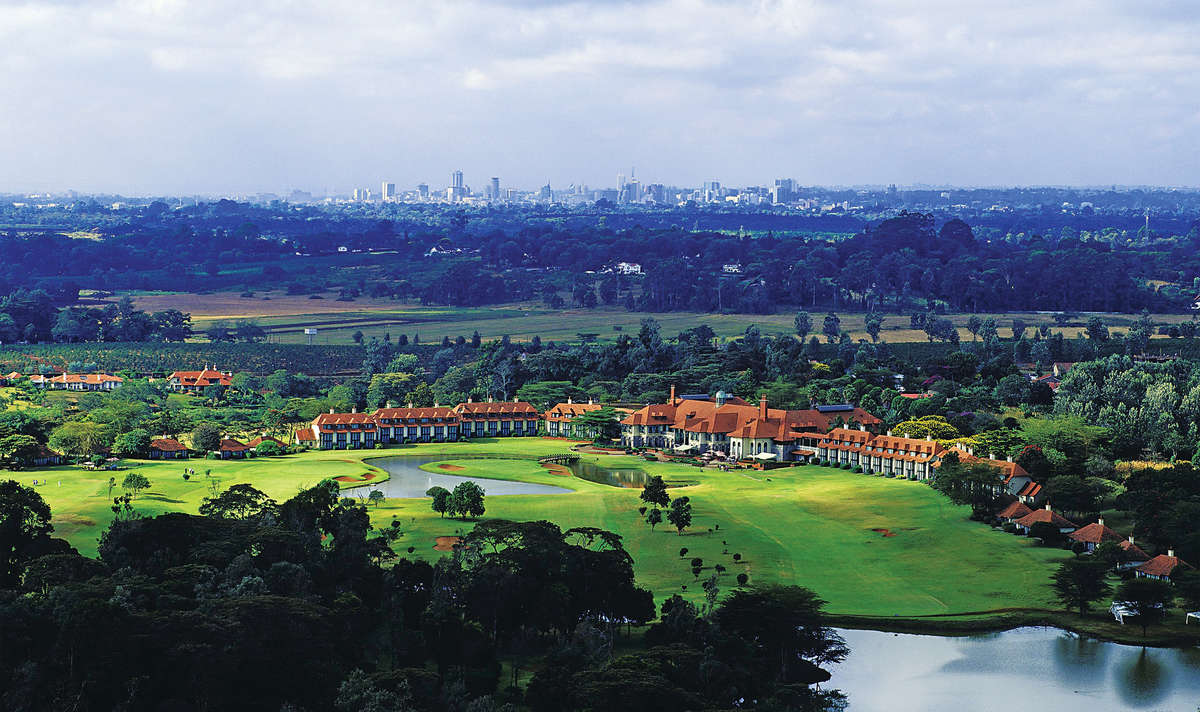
(872, 546)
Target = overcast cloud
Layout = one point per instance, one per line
(163, 97)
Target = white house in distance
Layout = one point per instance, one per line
(78, 382)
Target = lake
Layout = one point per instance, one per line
(409, 481)
(617, 477)
(1026, 668)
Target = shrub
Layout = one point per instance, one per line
(845, 466)
(742, 579)
(1009, 528)
(858, 469)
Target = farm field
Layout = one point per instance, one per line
(285, 317)
(813, 526)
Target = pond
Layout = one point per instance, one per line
(1026, 668)
(592, 471)
(408, 480)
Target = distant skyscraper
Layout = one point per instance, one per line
(456, 179)
(456, 191)
(423, 191)
(620, 181)
(495, 188)
(784, 190)
(388, 191)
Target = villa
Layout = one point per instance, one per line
(185, 381)
(167, 449)
(497, 419)
(78, 382)
(395, 426)
(1045, 516)
(1162, 566)
(1095, 534)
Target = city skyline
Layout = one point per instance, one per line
(147, 98)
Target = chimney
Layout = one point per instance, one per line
(591, 402)
(1130, 538)
(410, 404)
(862, 427)
(1009, 458)
(1171, 553)
(991, 456)
(762, 407)
(435, 404)
(569, 401)
(1048, 507)
(354, 409)
(470, 399)
(672, 394)
(889, 433)
(331, 411)
(1100, 521)
(489, 399)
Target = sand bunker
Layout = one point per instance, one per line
(366, 477)
(445, 543)
(884, 532)
(452, 468)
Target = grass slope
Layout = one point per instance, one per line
(804, 525)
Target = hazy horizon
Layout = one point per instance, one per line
(220, 98)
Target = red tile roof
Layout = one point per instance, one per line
(89, 378)
(265, 438)
(497, 409)
(305, 435)
(1134, 552)
(202, 378)
(1015, 510)
(413, 413)
(1031, 489)
(167, 445)
(1162, 565)
(560, 411)
(1095, 533)
(1046, 516)
(230, 445)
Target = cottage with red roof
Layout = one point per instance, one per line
(1095, 534)
(1133, 556)
(1162, 566)
(1047, 516)
(167, 449)
(231, 448)
(559, 419)
(1014, 511)
(184, 381)
(253, 444)
(497, 419)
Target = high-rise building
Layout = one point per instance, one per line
(388, 191)
(784, 191)
(495, 188)
(711, 191)
(456, 191)
(362, 195)
(423, 191)
(620, 181)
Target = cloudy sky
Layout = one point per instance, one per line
(222, 97)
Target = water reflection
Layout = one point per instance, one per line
(1042, 667)
(1144, 680)
(617, 477)
(408, 480)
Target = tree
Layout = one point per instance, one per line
(831, 327)
(1072, 494)
(1147, 599)
(680, 514)
(24, 527)
(134, 483)
(1078, 583)
(78, 437)
(358, 693)
(654, 517)
(134, 443)
(467, 500)
(803, 324)
(441, 499)
(206, 437)
(19, 449)
(874, 323)
(973, 484)
(655, 492)
(1096, 330)
(241, 501)
(1187, 585)
(782, 628)
(973, 325)
(268, 448)
(376, 497)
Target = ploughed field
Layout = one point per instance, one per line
(868, 545)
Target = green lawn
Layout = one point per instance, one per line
(804, 525)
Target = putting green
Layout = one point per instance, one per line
(805, 525)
